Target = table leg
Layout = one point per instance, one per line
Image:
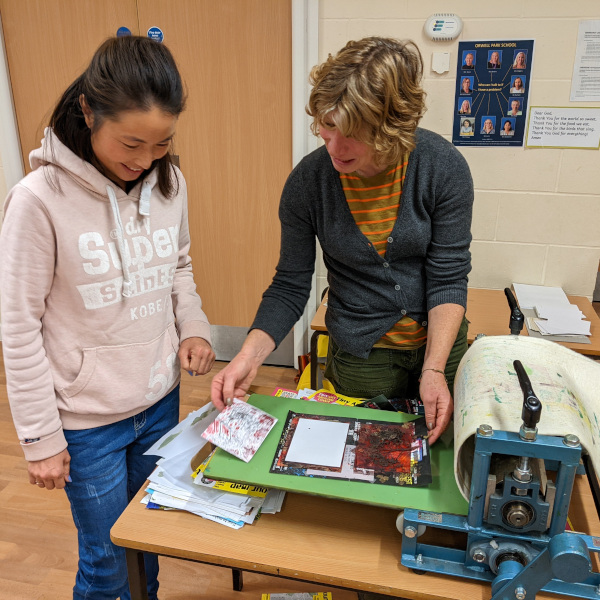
(238, 579)
(136, 572)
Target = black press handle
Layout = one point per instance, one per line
(532, 407)
(517, 319)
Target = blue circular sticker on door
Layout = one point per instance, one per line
(123, 31)
(155, 33)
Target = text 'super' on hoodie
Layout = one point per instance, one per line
(97, 293)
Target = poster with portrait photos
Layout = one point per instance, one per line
(492, 92)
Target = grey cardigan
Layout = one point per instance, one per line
(426, 262)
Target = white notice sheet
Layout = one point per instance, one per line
(585, 85)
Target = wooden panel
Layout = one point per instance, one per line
(234, 140)
(48, 44)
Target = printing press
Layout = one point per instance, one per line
(517, 466)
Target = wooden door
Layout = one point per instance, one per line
(48, 44)
(234, 140)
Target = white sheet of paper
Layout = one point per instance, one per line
(529, 296)
(318, 443)
(186, 436)
(586, 75)
(545, 311)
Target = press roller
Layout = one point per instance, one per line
(518, 480)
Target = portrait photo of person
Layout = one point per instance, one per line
(514, 107)
(468, 59)
(517, 84)
(488, 124)
(464, 106)
(466, 86)
(466, 126)
(494, 59)
(520, 61)
(508, 127)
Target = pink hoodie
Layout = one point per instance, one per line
(97, 293)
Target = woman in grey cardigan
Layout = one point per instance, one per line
(391, 205)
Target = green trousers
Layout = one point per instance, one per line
(388, 372)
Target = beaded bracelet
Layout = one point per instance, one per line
(436, 371)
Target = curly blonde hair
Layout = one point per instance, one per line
(371, 91)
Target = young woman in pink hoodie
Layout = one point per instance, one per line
(99, 305)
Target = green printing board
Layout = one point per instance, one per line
(442, 495)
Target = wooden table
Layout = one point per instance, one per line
(328, 542)
(488, 313)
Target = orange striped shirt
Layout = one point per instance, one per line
(374, 203)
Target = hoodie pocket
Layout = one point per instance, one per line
(117, 379)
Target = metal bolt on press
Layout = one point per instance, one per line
(485, 430)
(479, 556)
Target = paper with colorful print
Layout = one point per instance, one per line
(240, 429)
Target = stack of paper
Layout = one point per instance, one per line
(561, 320)
(272, 499)
(554, 314)
(173, 486)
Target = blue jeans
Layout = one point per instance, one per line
(107, 469)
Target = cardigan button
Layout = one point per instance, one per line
(390, 240)
(386, 265)
(397, 287)
(424, 323)
(402, 312)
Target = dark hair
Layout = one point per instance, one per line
(125, 73)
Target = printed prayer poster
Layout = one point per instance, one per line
(491, 92)
(355, 450)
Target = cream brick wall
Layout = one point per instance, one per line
(537, 212)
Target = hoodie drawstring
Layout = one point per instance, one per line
(144, 206)
(127, 290)
(144, 210)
